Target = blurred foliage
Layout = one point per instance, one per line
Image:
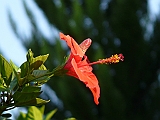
(129, 90)
(35, 113)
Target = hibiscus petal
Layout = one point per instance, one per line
(75, 49)
(85, 44)
(84, 65)
(89, 79)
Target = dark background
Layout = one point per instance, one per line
(130, 90)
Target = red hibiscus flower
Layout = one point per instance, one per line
(79, 66)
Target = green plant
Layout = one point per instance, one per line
(21, 86)
(35, 113)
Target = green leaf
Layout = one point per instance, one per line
(24, 69)
(17, 76)
(29, 56)
(22, 116)
(40, 75)
(31, 89)
(34, 114)
(2, 88)
(41, 101)
(5, 70)
(13, 84)
(16, 68)
(22, 97)
(28, 68)
(33, 102)
(71, 118)
(42, 67)
(38, 61)
(50, 114)
(42, 109)
(22, 81)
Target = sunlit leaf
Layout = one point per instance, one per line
(2, 84)
(5, 70)
(50, 114)
(17, 76)
(38, 61)
(24, 69)
(29, 56)
(16, 68)
(42, 67)
(41, 101)
(42, 109)
(71, 118)
(34, 114)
